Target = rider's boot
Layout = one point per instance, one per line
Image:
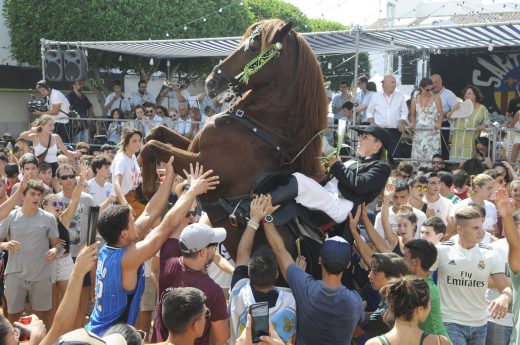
(285, 193)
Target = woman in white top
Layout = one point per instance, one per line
(44, 140)
(126, 173)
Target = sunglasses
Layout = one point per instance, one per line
(57, 203)
(421, 188)
(206, 315)
(149, 111)
(429, 89)
(191, 213)
(65, 177)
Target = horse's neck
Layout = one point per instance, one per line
(270, 108)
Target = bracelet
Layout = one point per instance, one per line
(253, 224)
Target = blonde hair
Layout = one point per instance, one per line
(479, 180)
(42, 120)
(514, 182)
(466, 213)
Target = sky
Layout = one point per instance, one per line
(344, 11)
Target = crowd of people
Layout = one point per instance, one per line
(414, 124)
(141, 110)
(427, 123)
(420, 254)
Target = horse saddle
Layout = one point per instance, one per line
(238, 207)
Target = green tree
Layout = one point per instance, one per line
(267, 9)
(101, 20)
(116, 20)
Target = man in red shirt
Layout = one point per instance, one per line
(187, 268)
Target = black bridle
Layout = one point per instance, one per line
(232, 82)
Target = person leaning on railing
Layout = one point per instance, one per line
(463, 139)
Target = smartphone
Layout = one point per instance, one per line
(260, 320)
(92, 224)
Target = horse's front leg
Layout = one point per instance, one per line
(168, 136)
(154, 151)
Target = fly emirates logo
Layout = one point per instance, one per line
(465, 279)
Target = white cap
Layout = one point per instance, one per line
(82, 336)
(198, 236)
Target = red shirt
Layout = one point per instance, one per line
(461, 194)
(173, 273)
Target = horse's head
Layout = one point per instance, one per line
(253, 63)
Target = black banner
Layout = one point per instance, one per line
(14, 77)
(495, 74)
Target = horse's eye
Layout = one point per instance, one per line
(255, 43)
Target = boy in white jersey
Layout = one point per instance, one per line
(99, 187)
(464, 268)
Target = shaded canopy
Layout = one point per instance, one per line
(326, 43)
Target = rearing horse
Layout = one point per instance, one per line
(274, 125)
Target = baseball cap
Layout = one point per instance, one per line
(336, 249)
(198, 236)
(83, 337)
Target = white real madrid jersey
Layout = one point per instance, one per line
(463, 280)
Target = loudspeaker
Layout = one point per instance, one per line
(409, 69)
(53, 65)
(75, 65)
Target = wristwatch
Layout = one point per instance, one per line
(268, 219)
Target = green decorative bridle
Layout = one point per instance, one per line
(256, 64)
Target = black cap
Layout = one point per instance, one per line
(381, 134)
(430, 175)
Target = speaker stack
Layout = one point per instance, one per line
(54, 65)
(68, 65)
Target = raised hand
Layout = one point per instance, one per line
(169, 167)
(354, 221)
(257, 208)
(364, 211)
(268, 206)
(505, 205)
(85, 169)
(389, 191)
(200, 181)
(301, 262)
(87, 258)
(24, 181)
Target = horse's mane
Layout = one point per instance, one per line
(309, 104)
(311, 107)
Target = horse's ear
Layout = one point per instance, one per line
(283, 31)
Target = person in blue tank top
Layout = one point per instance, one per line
(129, 243)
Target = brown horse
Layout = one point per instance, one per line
(274, 125)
